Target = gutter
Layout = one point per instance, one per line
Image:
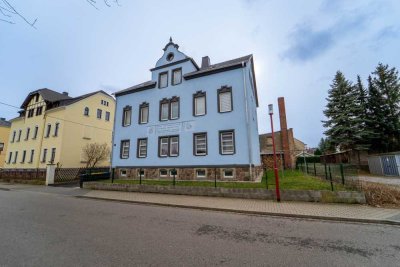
(247, 121)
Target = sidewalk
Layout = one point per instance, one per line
(337, 212)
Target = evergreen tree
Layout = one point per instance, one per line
(340, 111)
(377, 118)
(360, 119)
(386, 80)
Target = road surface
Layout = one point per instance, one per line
(52, 227)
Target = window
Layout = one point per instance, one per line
(56, 129)
(37, 98)
(200, 144)
(163, 80)
(31, 112)
(28, 130)
(142, 148)
(163, 173)
(86, 111)
(19, 135)
(163, 147)
(44, 156)
(48, 130)
(107, 116)
(201, 173)
(35, 133)
(104, 103)
(174, 108)
(126, 116)
(144, 113)
(13, 137)
(199, 104)
(122, 173)
(53, 155)
(23, 156)
(169, 146)
(227, 142)
(228, 173)
(125, 149)
(174, 146)
(15, 157)
(140, 173)
(164, 110)
(99, 113)
(39, 111)
(32, 154)
(9, 157)
(1, 147)
(176, 76)
(225, 99)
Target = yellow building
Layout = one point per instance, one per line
(54, 128)
(4, 133)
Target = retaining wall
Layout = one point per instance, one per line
(350, 197)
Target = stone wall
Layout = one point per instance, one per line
(249, 193)
(239, 173)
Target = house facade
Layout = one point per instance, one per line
(4, 134)
(54, 128)
(200, 121)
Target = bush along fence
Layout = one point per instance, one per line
(345, 174)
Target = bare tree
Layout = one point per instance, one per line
(94, 153)
(8, 12)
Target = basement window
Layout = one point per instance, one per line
(122, 173)
(228, 173)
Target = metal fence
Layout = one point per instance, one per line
(345, 174)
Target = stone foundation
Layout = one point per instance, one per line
(192, 173)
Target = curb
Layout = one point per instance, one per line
(275, 214)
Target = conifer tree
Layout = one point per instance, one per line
(340, 111)
(386, 80)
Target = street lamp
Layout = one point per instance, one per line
(278, 195)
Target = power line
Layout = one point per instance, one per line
(10, 105)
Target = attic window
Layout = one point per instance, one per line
(170, 56)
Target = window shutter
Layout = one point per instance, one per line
(225, 103)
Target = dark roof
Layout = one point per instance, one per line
(237, 62)
(47, 94)
(70, 101)
(4, 123)
(137, 88)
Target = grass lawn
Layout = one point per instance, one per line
(290, 180)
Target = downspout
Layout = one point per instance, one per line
(250, 149)
(112, 135)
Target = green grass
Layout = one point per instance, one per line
(290, 180)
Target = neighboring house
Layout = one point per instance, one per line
(54, 127)
(201, 121)
(286, 145)
(4, 134)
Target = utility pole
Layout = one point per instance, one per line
(278, 195)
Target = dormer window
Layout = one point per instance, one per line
(176, 76)
(163, 80)
(170, 56)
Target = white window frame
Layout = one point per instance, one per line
(125, 149)
(140, 146)
(196, 135)
(201, 176)
(127, 116)
(164, 115)
(223, 150)
(178, 70)
(141, 112)
(229, 176)
(221, 92)
(196, 98)
(160, 75)
(99, 113)
(164, 141)
(174, 102)
(163, 175)
(107, 116)
(122, 173)
(171, 143)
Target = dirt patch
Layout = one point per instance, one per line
(380, 195)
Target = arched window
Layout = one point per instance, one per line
(86, 112)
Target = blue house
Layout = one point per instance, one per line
(201, 121)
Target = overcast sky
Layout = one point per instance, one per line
(297, 45)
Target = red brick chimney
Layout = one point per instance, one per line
(284, 132)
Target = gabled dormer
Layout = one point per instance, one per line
(172, 65)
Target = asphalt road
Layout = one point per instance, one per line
(51, 227)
